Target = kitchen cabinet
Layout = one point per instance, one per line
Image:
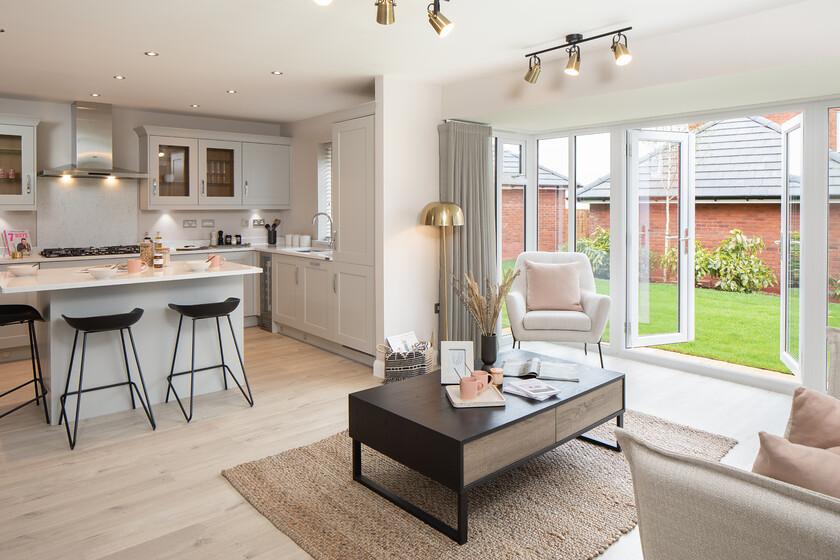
(17, 164)
(353, 190)
(331, 300)
(354, 306)
(208, 170)
(267, 172)
(285, 278)
(220, 172)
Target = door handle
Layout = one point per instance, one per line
(203, 187)
(685, 240)
(296, 275)
(154, 186)
(246, 189)
(29, 184)
(335, 283)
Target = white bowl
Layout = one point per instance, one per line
(198, 266)
(101, 273)
(23, 270)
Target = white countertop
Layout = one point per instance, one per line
(324, 255)
(74, 278)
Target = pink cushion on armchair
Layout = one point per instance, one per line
(552, 287)
(807, 467)
(814, 419)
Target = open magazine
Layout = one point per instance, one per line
(536, 368)
(530, 388)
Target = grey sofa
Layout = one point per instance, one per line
(693, 509)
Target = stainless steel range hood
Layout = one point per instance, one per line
(91, 143)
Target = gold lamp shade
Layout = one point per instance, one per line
(440, 23)
(385, 12)
(534, 69)
(573, 66)
(442, 214)
(622, 54)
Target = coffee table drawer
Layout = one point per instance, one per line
(588, 409)
(495, 451)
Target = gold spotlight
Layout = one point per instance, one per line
(439, 22)
(620, 51)
(385, 12)
(573, 66)
(534, 69)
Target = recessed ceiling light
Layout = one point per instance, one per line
(231, 91)
(151, 53)
(195, 105)
(119, 77)
(276, 73)
(323, 2)
(94, 95)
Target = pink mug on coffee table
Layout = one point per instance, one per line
(216, 261)
(482, 375)
(471, 387)
(135, 266)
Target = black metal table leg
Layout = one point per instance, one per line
(611, 445)
(458, 534)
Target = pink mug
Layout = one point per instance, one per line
(135, 266)
(483, 376)
(471, 387)
(216, 261)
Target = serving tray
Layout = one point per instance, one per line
(489, 397)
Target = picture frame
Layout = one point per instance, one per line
(456, 360)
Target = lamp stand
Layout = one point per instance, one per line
(445, 286)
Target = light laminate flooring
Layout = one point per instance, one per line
(129, 493)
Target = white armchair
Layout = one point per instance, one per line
(558, 326)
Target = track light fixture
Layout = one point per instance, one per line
(573, 66)
(534, 69)
(619, 48)
(439, 22)
(620, 51)
(385, 12)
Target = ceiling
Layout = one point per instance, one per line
(60, 50)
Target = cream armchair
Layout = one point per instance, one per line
(558, 326)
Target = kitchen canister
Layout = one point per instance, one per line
(306, 241)
(296, 240)
(289, 239)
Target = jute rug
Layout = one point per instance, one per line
(571, 503)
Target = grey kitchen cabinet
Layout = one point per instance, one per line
(285, 279)
(353, 190)
(316, 296)
(267, 175)
(354, 306)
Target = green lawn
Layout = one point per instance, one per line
(736, 328)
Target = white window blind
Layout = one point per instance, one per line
(324, 188)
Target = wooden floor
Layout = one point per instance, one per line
(127, 492)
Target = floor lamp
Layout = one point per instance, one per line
(443, 215)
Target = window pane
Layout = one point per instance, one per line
(553, 194)
(324, 188)
(834, 248)
(511, 193)
(592, 212)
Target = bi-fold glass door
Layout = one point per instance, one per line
(792, 147)
(660, 248)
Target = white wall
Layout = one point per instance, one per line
(775, 55)
(408, 114)
(85, 212)
(307, 135)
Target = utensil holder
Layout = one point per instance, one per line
(272, 237)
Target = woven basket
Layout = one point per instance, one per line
(403, 365)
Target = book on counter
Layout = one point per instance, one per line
(535, 368)
(530, 388)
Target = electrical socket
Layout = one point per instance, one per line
(208, 223)
(189, 224)
(437, 309)
(258, 223)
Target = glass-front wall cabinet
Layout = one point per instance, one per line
(17, 165)
(220, 172)
(174, 177)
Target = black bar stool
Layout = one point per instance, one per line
(15, 315)
(207, 311)
(103, 323)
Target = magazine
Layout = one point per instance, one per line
(536, 368)
(530, 388)
(16, 240)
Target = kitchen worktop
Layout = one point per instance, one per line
(55, 279)
(320, 254)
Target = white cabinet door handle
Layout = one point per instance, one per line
(296, 275)
(246, 189)
(203, 187)
(29, 184)
(335, 283)
(154, 187)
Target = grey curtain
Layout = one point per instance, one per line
(466, 178)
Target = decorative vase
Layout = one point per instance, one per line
(489, 349)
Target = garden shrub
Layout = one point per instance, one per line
(597, 248)
(737, 264)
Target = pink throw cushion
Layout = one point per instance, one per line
(552, 287)
(814, 419)
(806, 467)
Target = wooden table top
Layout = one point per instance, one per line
(423, 400)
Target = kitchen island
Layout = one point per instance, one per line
(75, 293)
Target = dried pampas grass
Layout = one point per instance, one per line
(484, 308)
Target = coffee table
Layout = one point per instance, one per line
(413, 423)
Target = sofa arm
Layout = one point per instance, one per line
(516, 311)
(597, 307)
